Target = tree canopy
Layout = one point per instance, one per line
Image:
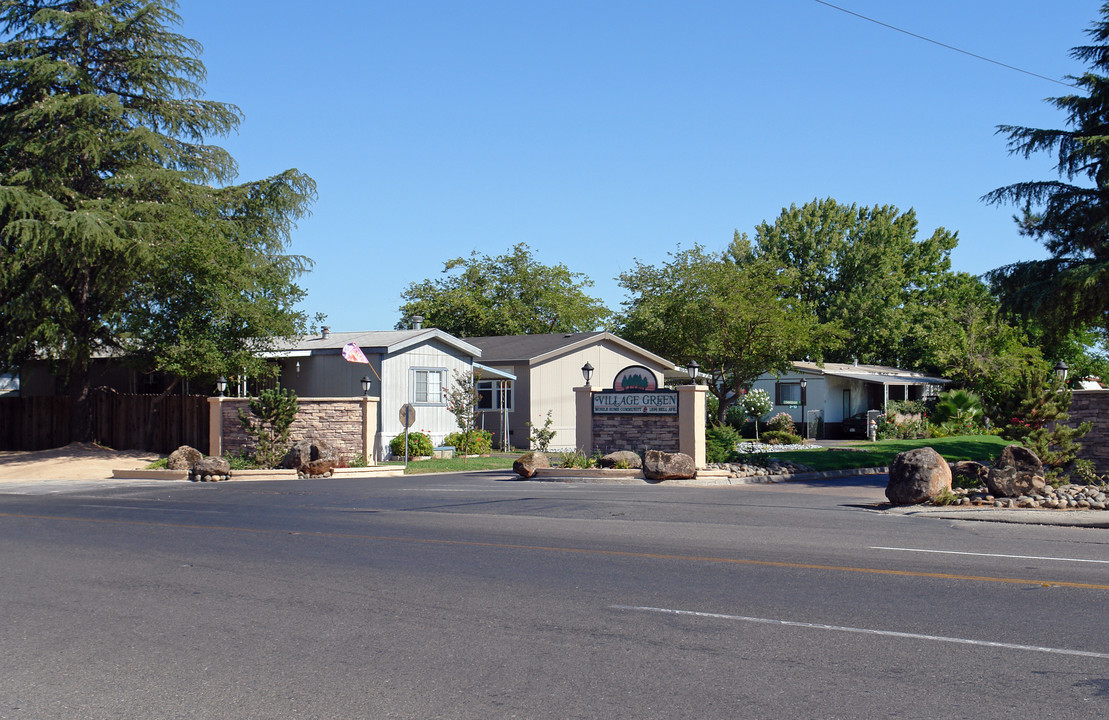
(510, 294)
(863, 268)
(1070, 216)
(119, 229)
(731, 313)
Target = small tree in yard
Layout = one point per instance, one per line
(542, 436)
(755, 404)
(462, 400)
(271, 415)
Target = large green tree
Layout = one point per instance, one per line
(510, 294)
(119, 226)
(731, 313)
(1070, 216)
(863, 268)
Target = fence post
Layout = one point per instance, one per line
(215, 426)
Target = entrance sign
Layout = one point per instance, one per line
(662, 402)
(635, 378)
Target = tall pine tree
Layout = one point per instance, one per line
(1070, 216)
(119, 226)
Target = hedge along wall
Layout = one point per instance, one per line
(635, 432)
(346, 423)
(1093, 406)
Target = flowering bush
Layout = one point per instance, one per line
(782, 422)
(471, 442)
(419, 444)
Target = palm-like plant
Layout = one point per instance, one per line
(959, 406)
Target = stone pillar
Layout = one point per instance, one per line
(215, 426)
(583, 402)
(369, 428)
(691, 422)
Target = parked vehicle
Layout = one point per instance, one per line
(855, 426)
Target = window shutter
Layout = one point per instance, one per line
(777, 393)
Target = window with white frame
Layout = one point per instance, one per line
(428, 387)
(494, 395)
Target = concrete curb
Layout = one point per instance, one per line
(630, 477)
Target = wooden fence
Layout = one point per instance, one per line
(154, 423)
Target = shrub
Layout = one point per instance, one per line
(782, 422)
(419, 444)
(241, 461)
(720, 443)
(576, 459)
(780, 437)
(471, 442)
(958, 406)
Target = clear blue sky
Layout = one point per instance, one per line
(600, 132)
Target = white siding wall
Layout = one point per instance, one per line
(553, 381)
(397, 371)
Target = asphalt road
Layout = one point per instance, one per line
(482, 597)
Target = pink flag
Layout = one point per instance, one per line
(353, 353)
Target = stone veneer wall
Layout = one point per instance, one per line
(635, 433)
(336, 421)
(1093, 406)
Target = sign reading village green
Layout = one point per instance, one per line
(661, 402)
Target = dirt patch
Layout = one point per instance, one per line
(76, 461)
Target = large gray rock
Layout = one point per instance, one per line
(305, 451)
(627, 458)
(917, 476)
(183, 458)
(210, 469)
(1017, 472)
(658, 465)
(527, 464)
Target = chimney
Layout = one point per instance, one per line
(325, 331)
(417, 322)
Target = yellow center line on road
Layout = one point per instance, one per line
(580, 551)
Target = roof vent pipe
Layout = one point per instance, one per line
(417, 322)
(325, 331)
(856, 362)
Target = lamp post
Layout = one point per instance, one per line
(692, 369)
(1061, 369)
(804, 423)
(365, 386)
(221, 385)
(587, 373)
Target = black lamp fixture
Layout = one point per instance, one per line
(365, 386)
(804, 383)
(587, 373)
(221, 385)
(692, 369)
(1061, 369)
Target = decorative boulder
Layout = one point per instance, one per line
(211, 469)
(622, 457)
(658, 465)
(1017, 472)
(305, 451)
(917, 476)
(183, 458)
(526, 465)
(317, 468)
(974, 471)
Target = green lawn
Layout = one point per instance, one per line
(881, 453)
(497, 461)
